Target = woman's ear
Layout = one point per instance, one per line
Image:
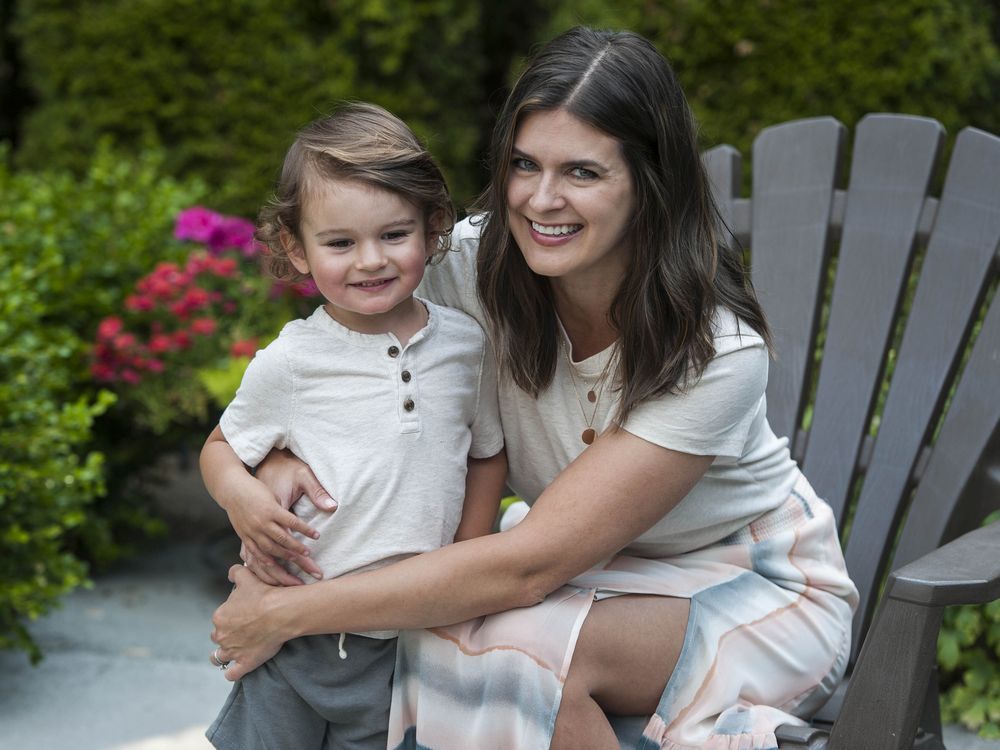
(295, 252)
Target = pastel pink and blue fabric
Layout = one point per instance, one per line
(767, 641)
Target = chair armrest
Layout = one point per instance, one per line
(885, 698)
(964, 571)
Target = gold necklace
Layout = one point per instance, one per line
(593, 396)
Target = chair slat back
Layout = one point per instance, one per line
(791, 221)
(969, 429)
(892, 164)
(794, 176)
(959, 258)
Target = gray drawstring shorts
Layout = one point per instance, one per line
(308, 697)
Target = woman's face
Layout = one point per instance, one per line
(570, 199)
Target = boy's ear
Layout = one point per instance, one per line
(435, 229)
(296, 255)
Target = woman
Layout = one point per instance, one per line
(675, 564)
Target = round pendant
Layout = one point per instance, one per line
(592, 397)
(588, 435)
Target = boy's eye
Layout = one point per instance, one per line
(398, 234)
(338, 244)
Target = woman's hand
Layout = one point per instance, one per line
(246, 639)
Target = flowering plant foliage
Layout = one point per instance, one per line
(184, 324)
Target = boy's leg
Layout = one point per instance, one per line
(264, 712)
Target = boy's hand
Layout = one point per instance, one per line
(265, 528)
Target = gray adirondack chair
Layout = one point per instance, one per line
(927, 472)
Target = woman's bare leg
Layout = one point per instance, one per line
(626, 652)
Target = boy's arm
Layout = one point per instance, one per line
(255, 513)
(484, 483)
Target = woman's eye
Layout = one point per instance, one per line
(582, 173)
(522, 164)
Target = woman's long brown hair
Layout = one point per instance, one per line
(679, 271)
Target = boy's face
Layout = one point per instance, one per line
(365, 249)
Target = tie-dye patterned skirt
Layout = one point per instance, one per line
(767, 641)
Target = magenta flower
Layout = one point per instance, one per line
(231, 232)
(196, 223)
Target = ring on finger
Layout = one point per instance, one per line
(217, 661)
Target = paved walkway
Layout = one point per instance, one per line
(126, 661)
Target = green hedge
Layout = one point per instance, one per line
(747, 65)
(224, 84)
(48, 480)
(70, 248)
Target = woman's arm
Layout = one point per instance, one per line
(484, 483)
(617, 489)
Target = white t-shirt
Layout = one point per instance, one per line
(387, 429)
(723, 414)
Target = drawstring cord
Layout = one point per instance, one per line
(340, 646)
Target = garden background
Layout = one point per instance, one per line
(138, 138)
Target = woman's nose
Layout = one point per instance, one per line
(547, 195)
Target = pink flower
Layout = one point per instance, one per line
(109, 328)
(196, 223)
(130, 376)
(203, 326)
(231, 232)
(305, 288)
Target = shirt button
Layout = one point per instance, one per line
(408, 404)
(393, 351)
(405, 375)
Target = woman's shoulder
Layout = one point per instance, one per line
(731, 333)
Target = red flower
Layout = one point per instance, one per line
(138, 303)
(103, 372)
(159, 343)
(203, 326)
(243, 348)
(182, 340)
(124, 341)
(109, 328)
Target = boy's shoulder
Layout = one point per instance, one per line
(452, 321)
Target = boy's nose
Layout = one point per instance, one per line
(371, 257)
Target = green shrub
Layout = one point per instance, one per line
(969, 660)
(747, 65)
(72, 248)
(48, 481)
(224, 84)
